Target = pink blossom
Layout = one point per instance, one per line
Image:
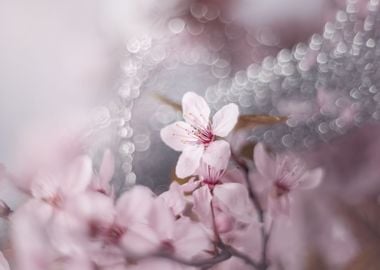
(55, 188)
(285, 173)
(164, 233)
(45, 150)
(195, 137)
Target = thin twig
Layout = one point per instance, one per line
(222, 256)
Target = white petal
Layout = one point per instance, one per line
(217, 154)
(311, 179)
(189, 161)
(265, 164)
(177, 135)
(225, 120)
(195, 110)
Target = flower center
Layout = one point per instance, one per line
(115, 233)
(56, 200)
(167, 246)
(281, 188)
(204, 135)
(211, 183)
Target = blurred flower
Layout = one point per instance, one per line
(195, 136)
(286, 173)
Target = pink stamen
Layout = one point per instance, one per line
(281, 188)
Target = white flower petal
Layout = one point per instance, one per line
(217, 155)
(225, 120)
(188, 161)
(177, 135)
(195, 110)
(311, 179)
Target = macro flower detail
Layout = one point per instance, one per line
(285, 173)
(195, 136)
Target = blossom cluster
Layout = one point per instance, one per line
(72, 218)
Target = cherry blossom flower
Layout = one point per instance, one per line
(195, 136)
(181, 238)
(285, 174)
(55, 188)
(230, 200)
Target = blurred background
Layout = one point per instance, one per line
(66, 65)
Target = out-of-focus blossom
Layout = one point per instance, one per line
(55, 189)
(101, 181)
(56, 148)
(195, 137)
(285, 174)
(163, 233)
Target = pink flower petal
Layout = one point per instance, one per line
(202, 205)
(3, 263)
(107, 167)
(175, 199)
(225, 120)
(139, 197)
(264, 163)
(161, 220)
(177, 135)
(44, 186)
(234, 199)
(78, 177)
(195, 110)
(189, 160)
(217, 155)
(139, 240)
(279, 206)
(311, 179)
(190, 239)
